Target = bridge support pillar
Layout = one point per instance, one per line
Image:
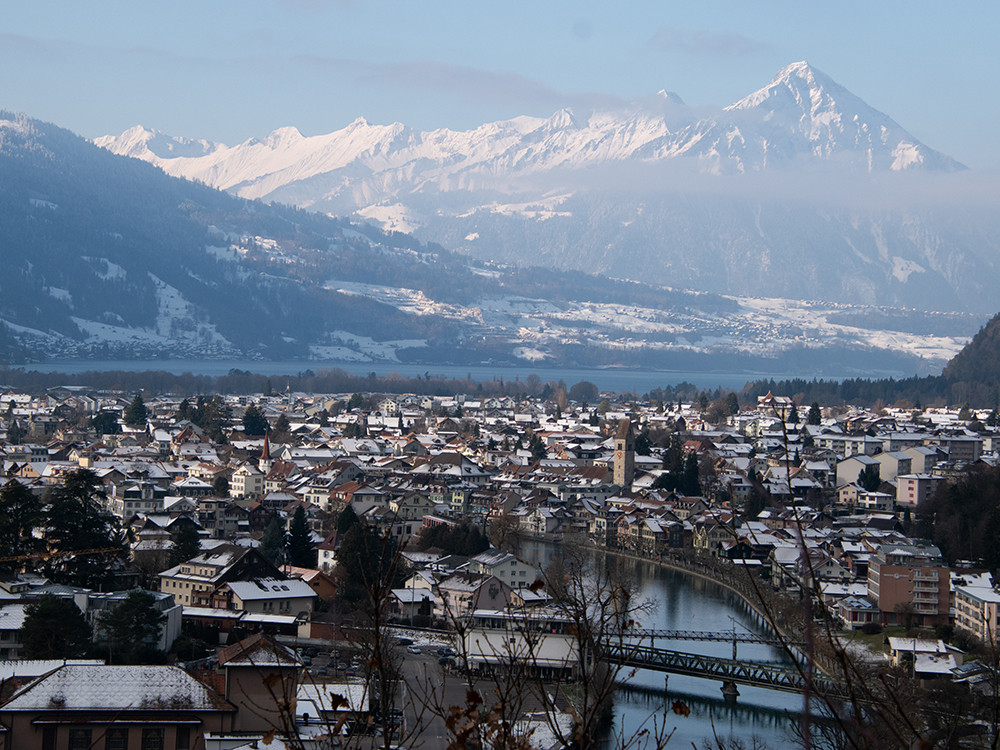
(730, 691)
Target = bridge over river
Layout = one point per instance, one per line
(731, 672)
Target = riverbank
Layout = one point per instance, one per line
(784, 616)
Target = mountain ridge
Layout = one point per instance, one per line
(654, 191)
(108, 257)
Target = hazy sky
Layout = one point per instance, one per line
(230, 70)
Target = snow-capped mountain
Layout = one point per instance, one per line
(801, 113)
(108, 257)
(778, 194)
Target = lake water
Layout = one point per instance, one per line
(618, 380)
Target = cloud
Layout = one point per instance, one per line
(706, 43)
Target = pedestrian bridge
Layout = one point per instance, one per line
(731, 672)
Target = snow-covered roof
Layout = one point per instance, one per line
(271, 588)
(114, 688)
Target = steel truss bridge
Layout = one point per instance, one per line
(731, 672)
(701, 635)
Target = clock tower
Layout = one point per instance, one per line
(624, 470)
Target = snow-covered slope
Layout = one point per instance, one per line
(770, 196)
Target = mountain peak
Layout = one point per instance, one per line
(564, 119)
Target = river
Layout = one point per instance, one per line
(683, 602)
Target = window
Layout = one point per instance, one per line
(116, 738)
(49, 738)
(152, 738)
(79, 739)
(183, 738)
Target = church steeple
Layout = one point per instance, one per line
(264, 464)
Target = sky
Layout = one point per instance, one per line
(229, 70)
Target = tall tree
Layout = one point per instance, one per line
(105, 423)
(131, 630)
(20, 514)
(690, 484)
(869, 479)
(254, 422)
(274, 541)
(136, 414)
(281, 425)
(220, 486)
(815, 416)
(54, 628)
(301, 549)
(187, 544)
(347, 519)
(86, 539)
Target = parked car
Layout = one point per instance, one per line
(413, 649)
(447, 661)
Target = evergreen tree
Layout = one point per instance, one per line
(690, 484)
(131, 630)
(537, 448)
(793, 414)
(281, 425)
(20, 514)
(815, 416)
(183, 411)
(731, 404)
(254, 422)
(272, 544)
(868, 478)
(220, 486)
(346, 520)
(642, 442)
(54, 628)
(301, 549)
(212, 415)
(187, 544)
(105, 423)
(367, 560)
(15, 432)
(136, 414)
(77, 522)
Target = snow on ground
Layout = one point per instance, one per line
(395, 217)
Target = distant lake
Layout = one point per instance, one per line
(611, 379)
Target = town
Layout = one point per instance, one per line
(216, 551)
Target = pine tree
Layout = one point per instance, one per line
(272, 544)
(254, 422)
(20, 513)
(281, 425)
(301, 549)
(346, 520)
(187, 544)
(690, 484)
(131, 630)
(136, 414)
(76, 522)
(815, 416)
(54, 628)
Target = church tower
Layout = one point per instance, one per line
(624, 455)
(265, 462)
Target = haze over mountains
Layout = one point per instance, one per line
(108, 257)
(799, 190)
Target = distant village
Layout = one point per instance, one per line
(724, 483)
